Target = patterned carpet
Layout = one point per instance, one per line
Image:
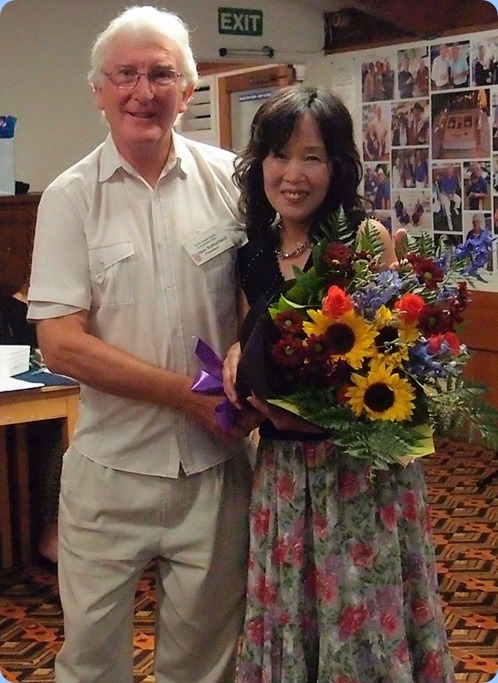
(465, 518)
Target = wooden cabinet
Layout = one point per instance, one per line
(480, 335)
(17, 228)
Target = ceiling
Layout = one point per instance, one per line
(420, 19)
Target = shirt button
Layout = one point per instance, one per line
(99, 277)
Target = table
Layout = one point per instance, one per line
(18, 408)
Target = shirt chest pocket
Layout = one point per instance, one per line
(110, 270)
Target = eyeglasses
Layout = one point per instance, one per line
(128, 76)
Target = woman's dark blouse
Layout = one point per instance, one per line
(259, 272)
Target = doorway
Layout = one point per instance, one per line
(239, 97)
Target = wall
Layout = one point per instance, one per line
(44, 49)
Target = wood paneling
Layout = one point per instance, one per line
(428, 19)
(481, 336)
(17, 229)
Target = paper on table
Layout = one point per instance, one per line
(12, 384)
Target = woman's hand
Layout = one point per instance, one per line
(400, 242)
(230, 365)
(247, 418)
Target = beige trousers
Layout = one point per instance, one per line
(111, 524)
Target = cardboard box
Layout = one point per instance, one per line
(14, 359)
(7, 169)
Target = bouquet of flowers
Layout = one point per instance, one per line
(372, 354)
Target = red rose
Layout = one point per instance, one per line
(388, 517)
(352, 619)
(421, 612)
(285, 487)
(348, 486)
(389, 623)
(447, 341)
(409, 506)
(297, 552)
(326, 588)
(362, 555)
(336, 302)
(280, 552)
(264, 592)
(402, 653)
(261, 522)
(319, 525)
(410, 307)
(432, 667)
(256, 632)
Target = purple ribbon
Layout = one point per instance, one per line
(209, 380)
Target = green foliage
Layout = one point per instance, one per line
(369, 240)
(461, 411)
(424, 246)
(379, 442)
(337, 229)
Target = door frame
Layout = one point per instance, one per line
(277, 76)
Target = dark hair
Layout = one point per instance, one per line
(271, 129)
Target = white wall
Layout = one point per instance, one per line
(44, 49)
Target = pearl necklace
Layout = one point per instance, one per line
(299, 249)
(302, 246)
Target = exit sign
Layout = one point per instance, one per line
(240, 22)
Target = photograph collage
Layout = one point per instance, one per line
(429, 125)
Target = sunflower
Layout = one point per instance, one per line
(394, 336)
(349, 337)
(381, 395)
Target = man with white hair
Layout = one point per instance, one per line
(133, 258)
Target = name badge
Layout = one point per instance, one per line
(206, 245)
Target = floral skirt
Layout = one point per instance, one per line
(342, 584)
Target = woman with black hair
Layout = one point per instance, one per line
(342, 584)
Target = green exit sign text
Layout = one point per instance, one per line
(240, 22)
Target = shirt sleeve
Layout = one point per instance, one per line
(60, 272)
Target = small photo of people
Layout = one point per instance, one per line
(410, 168)
(495, 174)
(476, 185)
(377, 79)
(495, 120)
(376, 131)
(377, 186)
(447, 197)
(412, 209)
(413, 73)
(385, 218)
(477, 224)
(461, 127)
(410, 123)
(484, 62)
(450, 66)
